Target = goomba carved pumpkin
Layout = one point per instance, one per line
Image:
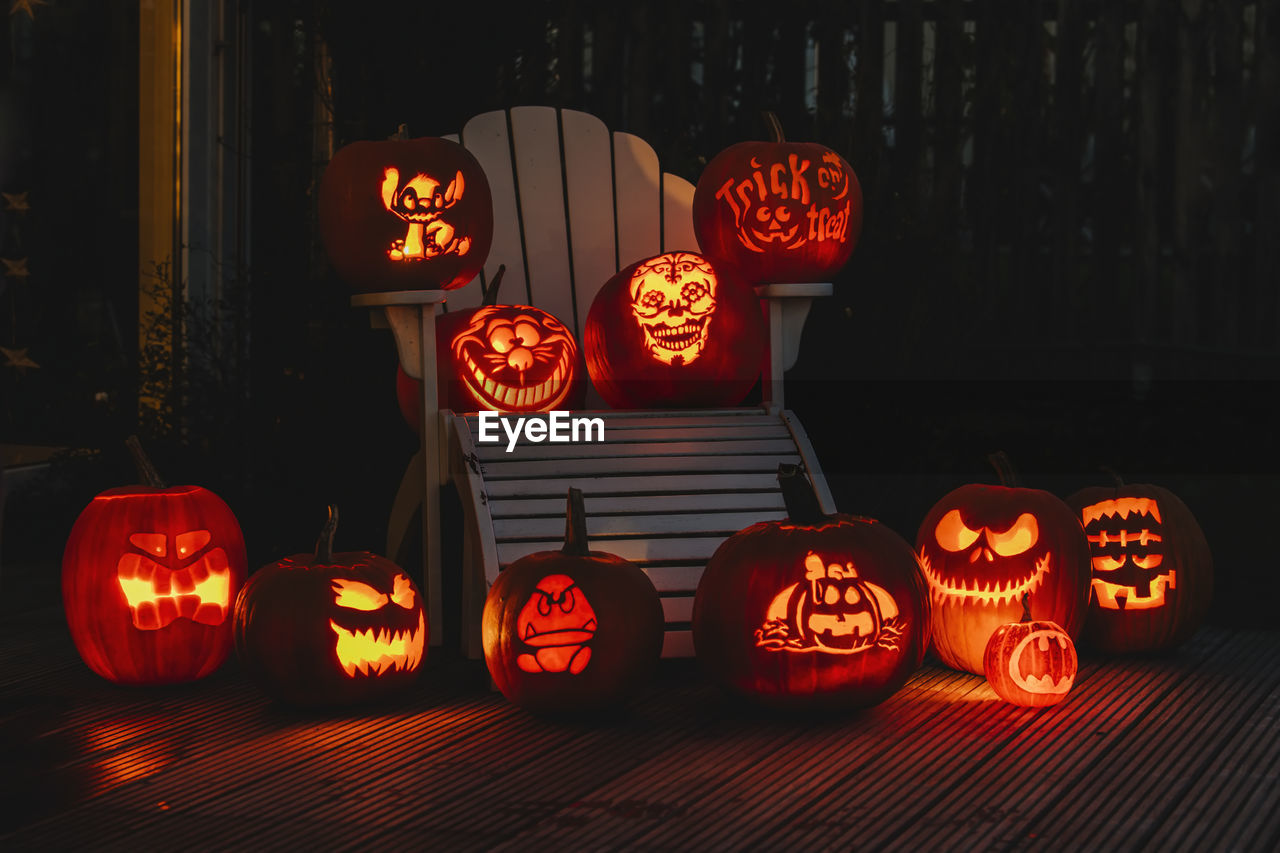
(674, 330)
(406, 214)
(571, 630)
(781, 211)
(1030, 663)
(149, 576)
(812, 612)
(1152, 570)
(331, 628)
(982, 547)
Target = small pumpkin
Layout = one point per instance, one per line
(1030, 663)
(812, 612)
(1152, 569)
(331, 628)
(406, 214)
(149, 575)
(573, 630)
(781, 211)
(675, 330)
(983, 546)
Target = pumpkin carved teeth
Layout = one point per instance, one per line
(993, 593)
(157, 595)
(499, 395)
(372, 652)
(1114, 596)
(1123, 508)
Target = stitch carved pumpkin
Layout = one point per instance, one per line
(149, 576)
(1030, 663)
(674, 330)
(572, 630)
(813, 611)
(1152, 571)
(781, 211)
(406, 214)
(982, 547)
(331, 628)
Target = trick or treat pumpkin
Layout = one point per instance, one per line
(508, 358)
(331, 628)
(812, 612)
(1152, 570)
(149, 576)
(780, 211)
(982, 547)
(674, 330)
(406, 214)
(1030, 663)
(573, 630)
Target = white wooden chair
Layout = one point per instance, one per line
(573, 204)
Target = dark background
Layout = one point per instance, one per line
(1072, 213)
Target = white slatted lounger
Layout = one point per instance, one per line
(573, 204)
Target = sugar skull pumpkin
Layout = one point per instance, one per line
(573, 630)
(814, 611)
(674, 330)
(1030, 663)
(149, 576)
(781, 211)
(982, 547)
(331, 628)
(1152, 570)
(406, 214)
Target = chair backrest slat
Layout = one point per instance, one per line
(540, 180)
(638, 198)
(588, 157)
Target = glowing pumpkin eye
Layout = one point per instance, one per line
(567, 601)
(851, 596)
(1018, 538)
(1107, 564)
(190, 543)
(409, 200)
(152, 543)
(952, 534)
(544, 603)
(502, 339)
(783, 215)
(831, 596)
(762, 214)
(402, 592)
(693, 291)
(528, 334)
(1149, 561)
(652, 300)
(357, 596)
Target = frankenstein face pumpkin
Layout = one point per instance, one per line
(1152, 571)
(1030, 663)
(674, 330)
(982, 548)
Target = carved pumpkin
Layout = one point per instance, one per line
(814, 611)
(1030, 663)
(674, 330)
(983, 546)
(781, 211)
(331, 628)
(1152, 571)
(406, 214)
(573, 630)
(149, 576)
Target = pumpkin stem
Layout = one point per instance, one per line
(401, 134)
(1004, 469)
(575, 525)
(324, 545)
(1026, 607)
(797, 494)
(146, 471)
(491, 290)
(775, 126)
(1111, 472)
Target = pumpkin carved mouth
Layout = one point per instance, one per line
(377, 650)
(158, 595)
(677, 338)
(499, 395)
(1115, 596)
(998, 593)
(560, 636)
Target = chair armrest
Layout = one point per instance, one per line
(788, 308)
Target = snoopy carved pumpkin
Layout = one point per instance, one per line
(573, 630)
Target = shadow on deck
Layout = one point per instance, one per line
(1160, 753)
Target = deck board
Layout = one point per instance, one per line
(1180, 752)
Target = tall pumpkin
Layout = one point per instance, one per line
(814, 611)
(781, 211)
(149, 575)
(1152, 570)
(982, 547)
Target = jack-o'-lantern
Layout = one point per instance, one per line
(331, 628)
(573, 630)
(1152, 569)
(406, 214)
(149, 576)
(1030, 663)
(781, 211)
(814, 611)
(674, 330)
(982, 547)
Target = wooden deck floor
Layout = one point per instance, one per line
(1177, 753)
